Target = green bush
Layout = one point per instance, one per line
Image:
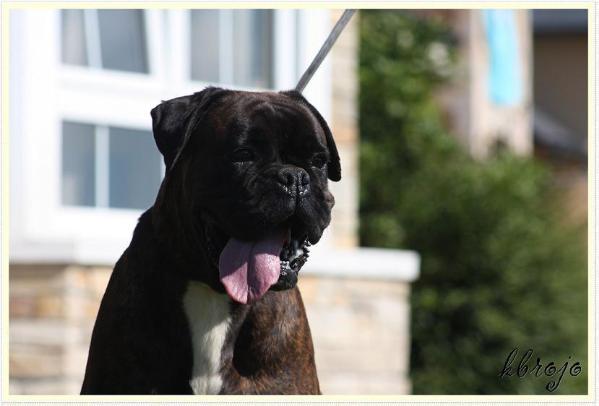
(499, 269)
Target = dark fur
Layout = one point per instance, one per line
(141, 341)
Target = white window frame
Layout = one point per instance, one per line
(44, 92)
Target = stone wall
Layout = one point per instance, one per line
(359, 326)
(52, 310)
(360, 329)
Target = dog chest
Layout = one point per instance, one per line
(208, 314)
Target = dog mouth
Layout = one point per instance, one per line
(248, 269)
(293, 256)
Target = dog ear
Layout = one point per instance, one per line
(174, 120)
(334, 165)
(169, 121)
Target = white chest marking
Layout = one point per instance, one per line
(209, 317)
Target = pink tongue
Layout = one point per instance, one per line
(248, 269)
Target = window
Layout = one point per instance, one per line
(74, 51)
(135, 168)
(108, 166)
(232, 46)
(78, 164)
(106, 39)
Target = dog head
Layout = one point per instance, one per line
(246, 185)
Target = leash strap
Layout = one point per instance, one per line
(324, 50)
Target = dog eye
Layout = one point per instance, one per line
(242, 155)
(319, 161)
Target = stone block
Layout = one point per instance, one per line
(22, 306)
(358, 384)
(49, 305)
(41, 386)
(42, 332)
(27, 361)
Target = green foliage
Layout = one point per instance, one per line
(499, 270)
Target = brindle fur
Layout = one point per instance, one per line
(141, 340)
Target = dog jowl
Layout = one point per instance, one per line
(204, 298)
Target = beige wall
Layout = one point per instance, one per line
(360, 329)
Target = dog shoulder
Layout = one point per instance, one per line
(138, 343)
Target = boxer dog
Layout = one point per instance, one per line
(204, 299)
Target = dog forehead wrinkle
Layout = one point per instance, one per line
(269, 110)
(293, 123)
(311, 126)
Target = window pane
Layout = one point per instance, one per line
(135, 168)
(122, 39)
(252, 48)
(205, 36)
(73, 37)
(78, 163)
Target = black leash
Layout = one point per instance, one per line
(324, 50)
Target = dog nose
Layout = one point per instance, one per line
(294, 180)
